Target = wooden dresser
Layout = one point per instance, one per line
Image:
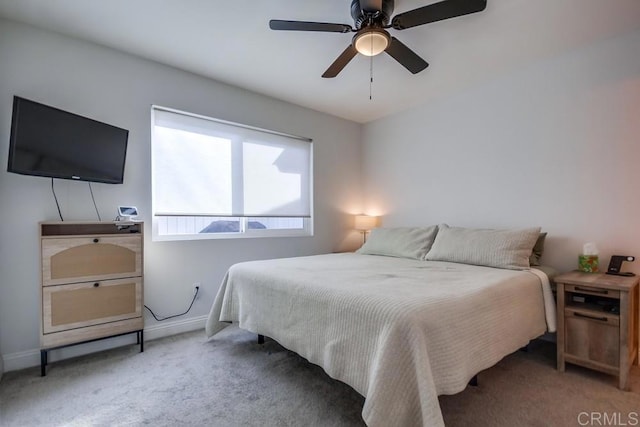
(92, 283)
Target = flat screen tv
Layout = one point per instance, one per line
(49, 142)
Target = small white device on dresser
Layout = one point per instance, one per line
(127, 213)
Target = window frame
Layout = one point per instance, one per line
(244, 232)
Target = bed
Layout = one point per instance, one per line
(400, 330)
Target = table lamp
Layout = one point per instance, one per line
(364, 223)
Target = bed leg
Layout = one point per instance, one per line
(474, 381)
(260, 339)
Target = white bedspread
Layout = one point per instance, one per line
(399, 331)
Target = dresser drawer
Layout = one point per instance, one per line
(83, 259)
(80, 305)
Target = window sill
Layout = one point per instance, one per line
(227, 236)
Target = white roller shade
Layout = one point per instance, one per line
(206, 167)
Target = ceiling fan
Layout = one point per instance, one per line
(371, 19)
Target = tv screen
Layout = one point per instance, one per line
(49, 142)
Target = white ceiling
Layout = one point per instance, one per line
(230, 41)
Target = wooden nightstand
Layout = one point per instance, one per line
(598, 322)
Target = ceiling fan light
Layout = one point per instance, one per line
(371, 42)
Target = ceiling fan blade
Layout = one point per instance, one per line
(405, 56)
(276, 24)
(341, 62)
(371, 5)
(437, 12)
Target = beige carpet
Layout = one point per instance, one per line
(233, 381)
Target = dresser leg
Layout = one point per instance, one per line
(260, 339)
(43, 363)
(141, 340)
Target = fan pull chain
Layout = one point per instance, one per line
(371, 74)
(371, 80)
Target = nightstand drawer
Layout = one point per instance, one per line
(589, 290)
(592, 315)
(593, 337)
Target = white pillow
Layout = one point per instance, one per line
(508, 249)
(403, 242)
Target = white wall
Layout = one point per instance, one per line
(556, 145)
(119, 89)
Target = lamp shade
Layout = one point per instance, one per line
(365, 222)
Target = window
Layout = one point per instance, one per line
(214, 179)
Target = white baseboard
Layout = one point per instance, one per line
(31, 358)
(21, 360)
(161, 330)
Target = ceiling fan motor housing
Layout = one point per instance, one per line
(361, 17)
